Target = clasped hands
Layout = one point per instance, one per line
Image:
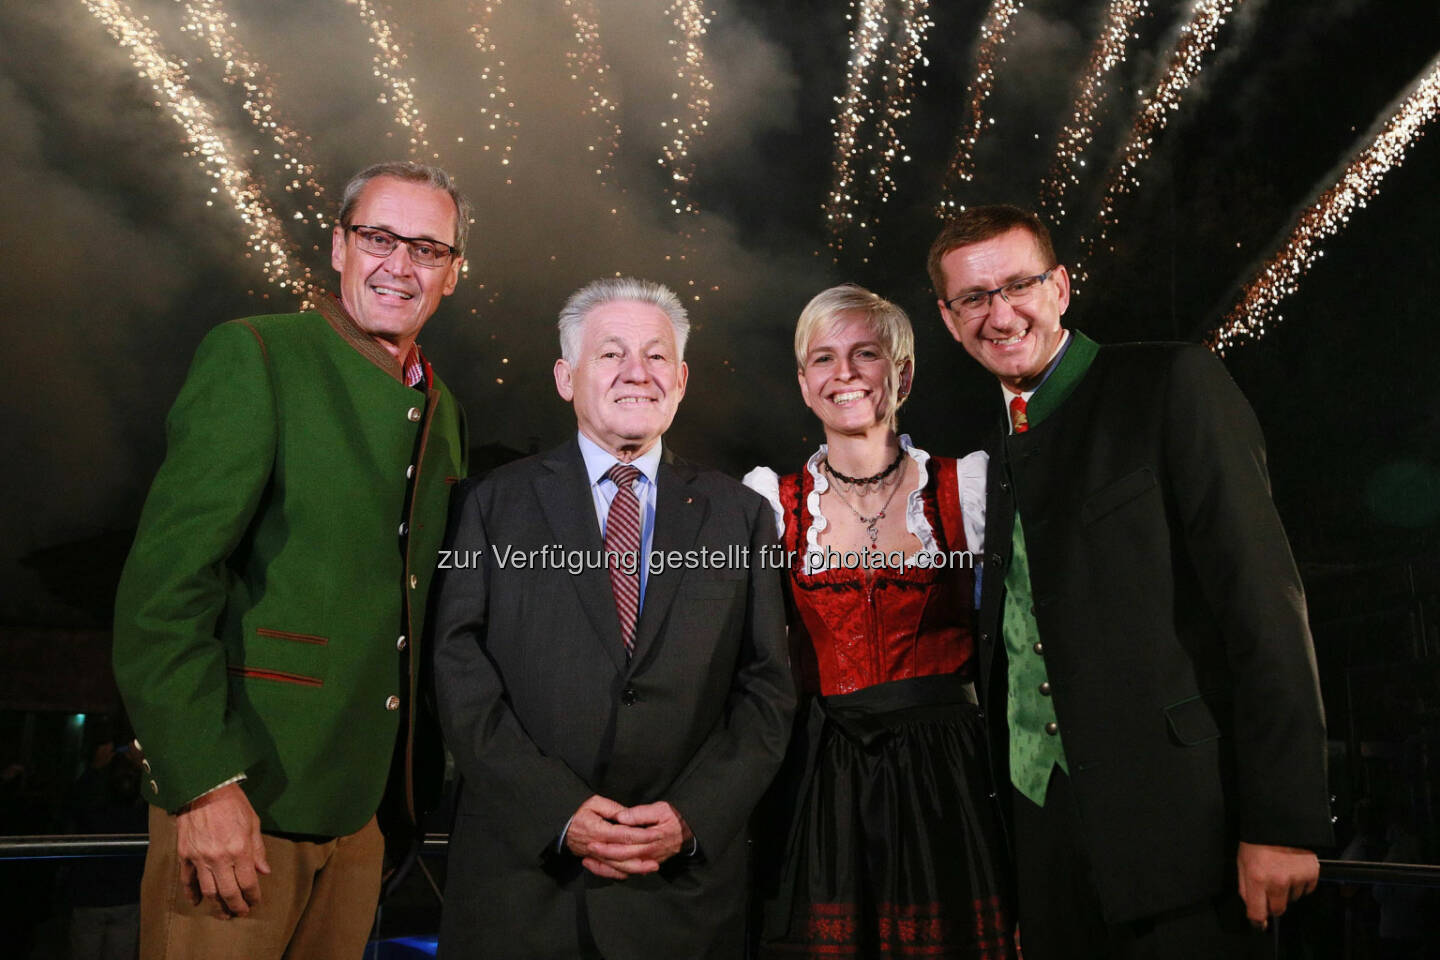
(617, 842)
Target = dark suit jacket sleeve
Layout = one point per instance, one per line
(719, 789)
(1235, 541)
(491, 748)
(169, 663)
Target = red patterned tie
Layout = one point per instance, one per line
(1018, 420)
(622, 549)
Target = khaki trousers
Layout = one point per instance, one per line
(318, 903)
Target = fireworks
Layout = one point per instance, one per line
(587, 65)
(389, 61)
(1187, 56)
(202, 140)
(1327, 214)
(987, 52)
(691, 22)
(1078, 133)
(858, 106)
(208, 20)
(497, 124)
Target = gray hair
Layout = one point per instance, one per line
(413, 172)
(597, 293)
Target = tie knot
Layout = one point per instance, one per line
(623, 474)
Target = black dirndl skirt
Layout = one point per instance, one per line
(894, 846)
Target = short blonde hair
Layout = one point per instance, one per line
(891, 327)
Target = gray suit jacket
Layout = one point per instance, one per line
(541, 710)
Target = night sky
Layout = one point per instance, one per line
(115, 267)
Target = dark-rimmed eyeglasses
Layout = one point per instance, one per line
(1017, 293)
(379, 242)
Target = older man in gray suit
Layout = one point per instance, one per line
(611, 669)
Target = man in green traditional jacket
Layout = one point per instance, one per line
(267, 622)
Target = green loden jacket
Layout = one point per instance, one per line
(268, 618)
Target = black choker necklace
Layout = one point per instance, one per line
(864, 481)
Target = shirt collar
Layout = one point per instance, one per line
(1060, 379)
(416, 371)
(333, 310)
(1049, 369)
(598, 461)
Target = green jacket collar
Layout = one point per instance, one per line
(1063, 379)
(339, 319)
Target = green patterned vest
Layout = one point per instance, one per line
(1035, 738)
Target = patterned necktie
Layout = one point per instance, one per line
(622, 549)
(1018, 420)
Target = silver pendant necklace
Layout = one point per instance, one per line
(871, 523)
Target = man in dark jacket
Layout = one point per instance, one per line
(1146, 666)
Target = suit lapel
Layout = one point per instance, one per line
(569, 509)
(679, 511)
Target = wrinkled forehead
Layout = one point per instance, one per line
(409, 208)
(628, 322)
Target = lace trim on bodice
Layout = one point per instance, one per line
(915, 520)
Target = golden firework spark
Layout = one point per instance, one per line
(993, 31)
(588, 66)
(879, 90)
(691, 23)
(1193, 44)
(497, 122)
(1078, 133)
(1384, 148)
(389, 64)
(203, 141)
(208, 20)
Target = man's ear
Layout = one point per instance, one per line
(337, 247)
(1061, 278)
(682, 377)
(563, 384)
(453, 277)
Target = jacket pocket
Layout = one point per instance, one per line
(279, 676)
(282, 656)
(1115, 495)
(297, 637)
(1192, 721)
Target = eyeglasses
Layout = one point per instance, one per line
(1017, 293)
(379, 242)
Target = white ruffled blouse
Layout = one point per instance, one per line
(970, 475)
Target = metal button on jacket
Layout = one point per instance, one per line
(414, 414)
(401, 643)
(1052, 728)
(410, 471)
(392, 702)
(404, 528)
(1045, 689)
(414, 581)
(628, 696)
(1039, 648)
